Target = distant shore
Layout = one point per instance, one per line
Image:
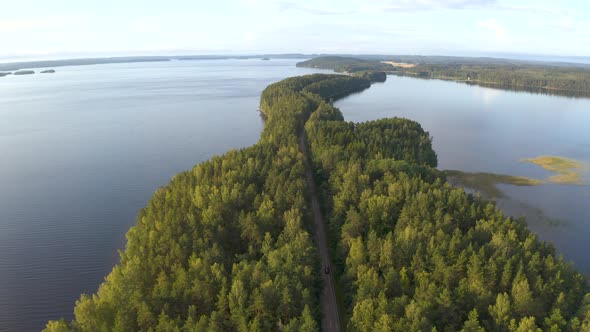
(570, 81)
(402, 60)
(14, 66)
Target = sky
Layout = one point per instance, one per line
(67, 28)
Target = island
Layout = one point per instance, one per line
(48, 71)
(5, 74)
(265, 59)
(333, 225)
(24, 72)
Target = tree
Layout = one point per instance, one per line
(472, 323)
(57, 326)
(527, 324)
(522, 296)
(500, 311)
(308, 324)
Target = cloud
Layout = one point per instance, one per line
(571, 25)
(419, 5)
(343, 7)
(23, 24)
(287, 5)
(350, 7)
(491, 25)
(41, 24)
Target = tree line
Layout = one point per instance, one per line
(568, 80)
(551, 78)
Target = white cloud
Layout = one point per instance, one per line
(21, 24)
(346, 7)
(437, 4)
(571, 25)
(39, 24)
(491, 25)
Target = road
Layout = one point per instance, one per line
(329, 306)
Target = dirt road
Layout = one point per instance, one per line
(330, 317)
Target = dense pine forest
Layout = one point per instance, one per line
(416, 254)
(568, 80)
(228, 246)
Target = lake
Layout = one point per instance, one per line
(84, 149)
(480, 129)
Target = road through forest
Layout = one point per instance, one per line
(330, 317)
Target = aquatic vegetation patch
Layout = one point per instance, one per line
(486, 183)
(569, 171)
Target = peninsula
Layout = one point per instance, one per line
(334, 225)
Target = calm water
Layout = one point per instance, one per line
(479, 129)
(84, 149)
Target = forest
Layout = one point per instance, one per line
(228, 245)
(344, 64)
(416, 254)
(516, 74)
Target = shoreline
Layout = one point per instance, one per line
(486, 83)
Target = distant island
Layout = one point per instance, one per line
(27, 72)
(564, 79)
(265, 59)
(24, 72)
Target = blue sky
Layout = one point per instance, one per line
(61, 28)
